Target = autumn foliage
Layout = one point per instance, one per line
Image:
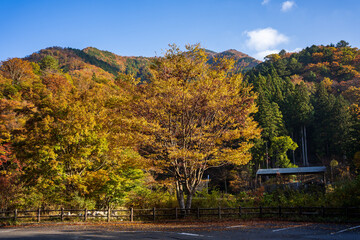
(196, 116)
(88, 128)
(17, 70)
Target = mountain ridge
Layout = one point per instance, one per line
(106, 64)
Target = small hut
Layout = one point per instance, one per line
(302, 174)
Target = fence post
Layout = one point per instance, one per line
(300, 210)
(15, 215)
(279, 211)
(85, 214)
(176, 213)
(131, 214)
(240, 213)
(198, 213)
(322, 211)
(108, 214)
(154, 214)
(260, 211)
(38, 215)
(219, 212)
(61, 214)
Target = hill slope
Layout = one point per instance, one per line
(242, 60)
(108, 65)
(311, 98)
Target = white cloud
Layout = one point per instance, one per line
(262, 54)
(287, 6)
(294, 50)
(265, 2)
(265, 39)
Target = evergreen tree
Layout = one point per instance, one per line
(323, 105)
(299, 110)
(340, 126)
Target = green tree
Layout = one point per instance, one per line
(270, 119)
(342, 44)
(340, 126)
(279, 148)
(71, 150)
(323, 105)
(271, 122)
(299, 111)
(294, 66)
(49, 63)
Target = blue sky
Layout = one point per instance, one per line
(146, 27)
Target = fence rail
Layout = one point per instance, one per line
(158, 214)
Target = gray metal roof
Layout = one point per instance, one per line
(300, 170)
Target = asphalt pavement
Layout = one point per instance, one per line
(231, 230)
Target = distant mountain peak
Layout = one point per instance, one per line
(242, 60)
(232, 50)
(209, 52)
(88, 48)
(238, 54)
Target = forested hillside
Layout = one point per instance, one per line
(243, 62)
(91, 62)
(88, 128)
(308, 106)
(105, 66)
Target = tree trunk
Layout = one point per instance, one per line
(180, 194)
(303, 146)
(293, 151)
(306, 152)
(267, 156)
(189, 200)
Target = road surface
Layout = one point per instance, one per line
(185, 231)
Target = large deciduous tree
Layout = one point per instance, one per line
(196, 116)
(17, 69)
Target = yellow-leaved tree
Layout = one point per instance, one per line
(196, 116)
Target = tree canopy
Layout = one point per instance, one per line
(196, 116)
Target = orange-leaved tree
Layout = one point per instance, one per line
(17, 69)
(195, 116)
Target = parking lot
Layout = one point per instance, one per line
(183, 231)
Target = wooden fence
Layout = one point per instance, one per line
(164, 214)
